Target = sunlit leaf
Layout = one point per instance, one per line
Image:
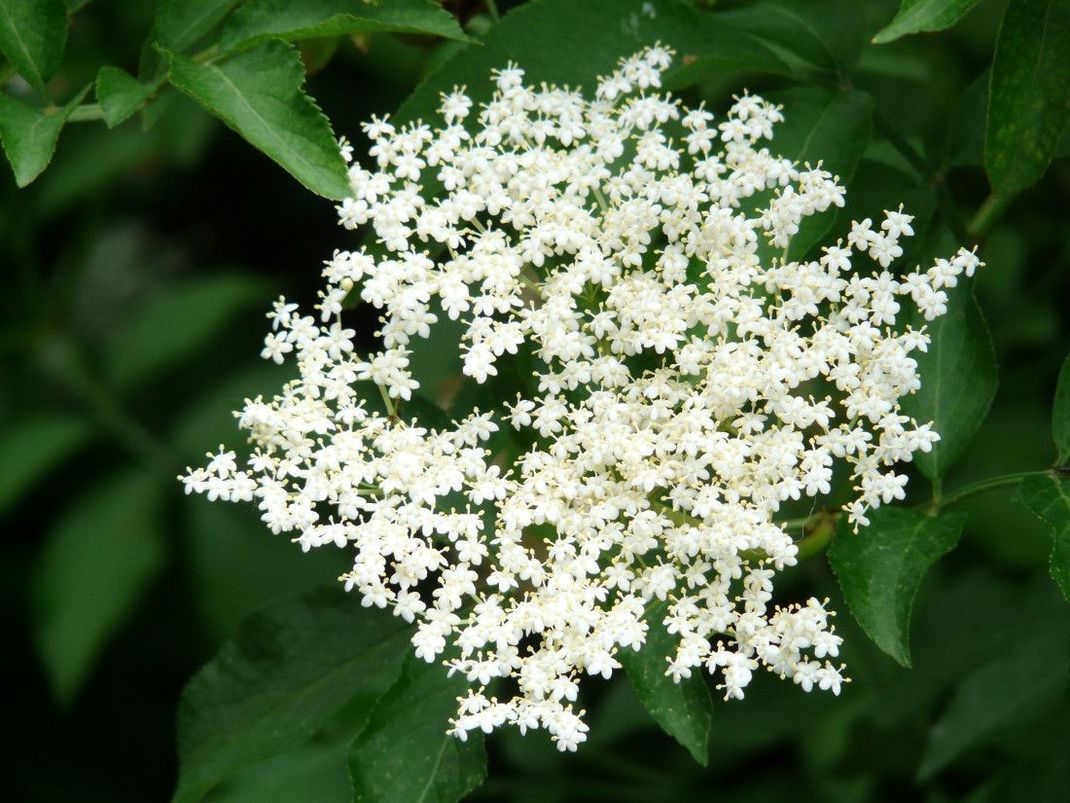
(880, 569)
(916, 16)
(97, 562)
(260, 20)
(1029, 95)
(33, 34)
(120, 94)
(30, 135)
(258, 94)
(683, 710)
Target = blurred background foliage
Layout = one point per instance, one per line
(136, 271)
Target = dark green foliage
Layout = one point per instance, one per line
(958, 380)
(404, 755)
(124, 347)
(286, 673)
(684, 710)
(880, 569)
(1029, 94)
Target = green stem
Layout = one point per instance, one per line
(990, 212)
(391, 410)
(817, 541)
(492, 9)
(85, 113)
(987, 485)
(208, 55)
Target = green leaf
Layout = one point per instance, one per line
(1029, 95)
(314, 772)
(916, 16)
(405, 755)
(260, 20)
(209, 420)
(33, 34)
(180, 24)
(120, 94)
(1023, 682)
(1060, 414)
(880, 569)
(31, 447)
(220, 537)
(179, 322)
(551, 40)
(97, 562)
(258, 94)
(825, 34)
(832, 128)
(964, 137)
(959, 377)
(1049, 498)
(287, 671)
(29, 136)
(683, 710)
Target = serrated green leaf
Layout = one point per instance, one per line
(405, 755)
(33, 34)
(1029, 94)
(1049, 498)
(551, 40)
(180, 24)
(1021, 683)
(258, 21)
(120, 94)
(832, 128)
(30, 447)
(959, 377)
(29, 135)
(96, 564)
(287, 671)
(1060, 414)
(258, 94)
(683, 710)
(880, 569)
(178, 323)
(916, 16)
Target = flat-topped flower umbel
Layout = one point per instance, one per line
(687, 386)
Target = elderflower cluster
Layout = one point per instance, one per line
(690, 380)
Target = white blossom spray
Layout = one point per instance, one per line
(686, 389)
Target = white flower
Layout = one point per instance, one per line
(677, 403)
